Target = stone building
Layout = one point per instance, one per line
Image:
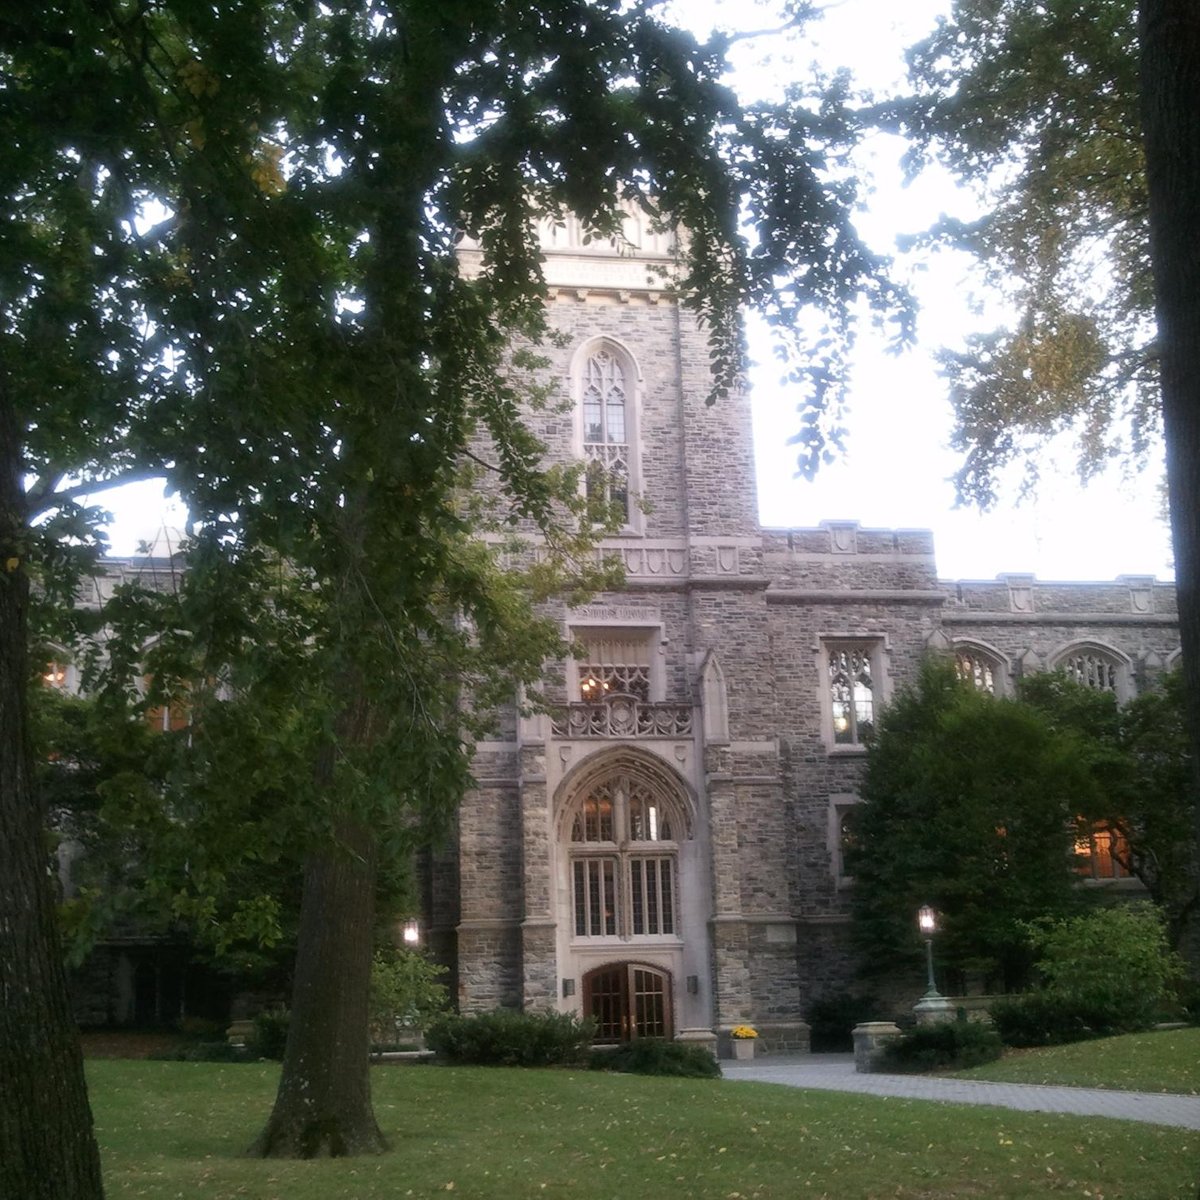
(664, 853)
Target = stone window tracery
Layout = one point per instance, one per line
(1092, 669)
(976, 666)
(606, 431)
(1096, 667)
(851, 681)
(624, 862)
(615, 664)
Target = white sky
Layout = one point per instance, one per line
(897, 467)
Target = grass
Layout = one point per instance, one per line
(1167, 1061)
(171, 1130)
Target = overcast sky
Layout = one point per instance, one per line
(897, 468)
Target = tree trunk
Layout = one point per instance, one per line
(47, 1147)
(1169, 34)
(323, 1107)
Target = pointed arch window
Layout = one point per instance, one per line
(624, 862)
(1098, 668)
(606, 385)
(982, 669)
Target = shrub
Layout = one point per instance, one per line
(656, 1056)
(209, 1052)
(1043, 1019)
(948, 1044)
(1115, 963)
(511, 1039)
(1105, 972)
(832, 1018)
(268, 1036)
(406, 994)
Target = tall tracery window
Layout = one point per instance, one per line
(606, 431)
(851, 677)
(624, 862)
(976, 667)
(1093, 668)
(616, 663)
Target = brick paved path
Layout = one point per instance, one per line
(835, 1073)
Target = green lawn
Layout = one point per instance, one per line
(1142, 1062)
(172, 1130)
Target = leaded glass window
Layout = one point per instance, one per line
(976, 668)
(615, 665)
(605, 431)
(851, 680)
(623, 862)
(1092, 668)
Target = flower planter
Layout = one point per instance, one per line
(743, 1048)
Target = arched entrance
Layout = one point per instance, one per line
(628, 1000)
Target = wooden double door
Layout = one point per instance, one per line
(628, 1000)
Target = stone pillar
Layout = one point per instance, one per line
(539, 962)
(870, 1038)
(933, 1010)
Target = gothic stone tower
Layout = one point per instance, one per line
(628, 858)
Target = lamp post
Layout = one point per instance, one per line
(933, 1006)
(927, 923)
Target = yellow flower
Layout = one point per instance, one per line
(743, 1031)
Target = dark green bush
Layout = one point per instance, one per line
(511, 1039)
(832, 1018)
(268, 1037)
(210, 1052)
(1047, 1019)
(948, 1044)
(655, 1056)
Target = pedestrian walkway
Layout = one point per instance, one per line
(836, 1073)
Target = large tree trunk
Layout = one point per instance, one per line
(1169, 33)
(47, 1148)
(323, 1107)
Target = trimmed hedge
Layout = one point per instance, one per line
(946, 1045)
(506, 1038)
(656, 1056)
(1049, 1019)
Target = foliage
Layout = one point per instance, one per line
(1140, 757)
(1156, 1061)
(406, 993)
(167, 1129)
(509, 1038)
(657, 1056)
(269, 1033)
(943, 1045)
(1035, 107)
(1104, 972)
(1114, 961)
(209, 1052)
(743, 1032)
(1041, 1018)
(832, 1018)
(967, 803)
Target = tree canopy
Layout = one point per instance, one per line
(968, 805)
(1035, 107)
(984, 807)
(232, 258)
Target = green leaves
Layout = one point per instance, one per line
(1035, 107)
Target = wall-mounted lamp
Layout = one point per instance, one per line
(412, 932)
(568, 987)
(693, 985)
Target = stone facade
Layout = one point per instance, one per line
(714, 895)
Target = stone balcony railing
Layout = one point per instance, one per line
(623, 717)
